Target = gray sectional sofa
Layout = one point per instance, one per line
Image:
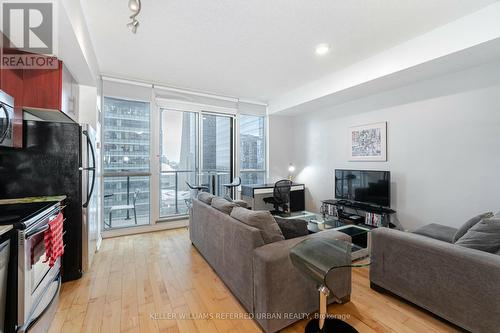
(459, 284)
(261, 276)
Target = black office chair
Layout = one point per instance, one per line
(281, 196)
(229, 187)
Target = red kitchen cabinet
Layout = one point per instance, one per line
(54, 89)
(51, 89)
(43, 88)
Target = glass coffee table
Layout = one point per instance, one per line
(317, 223)
(320, 259)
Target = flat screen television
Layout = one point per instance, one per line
(363, 186)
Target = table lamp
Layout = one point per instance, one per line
(291, 170)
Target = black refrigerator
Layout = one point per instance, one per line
(50, 164)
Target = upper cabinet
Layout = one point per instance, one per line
(43, 88)
(53, 89)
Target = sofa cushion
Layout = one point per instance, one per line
(292, 228)
(483, 236)
(262, 220)
(223, 205)
(437, 231)
(469, 224)
(206, 197)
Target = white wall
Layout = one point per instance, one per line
(443, 146)
(280, 146)
(87, 105)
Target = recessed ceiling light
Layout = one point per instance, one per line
(322, 49)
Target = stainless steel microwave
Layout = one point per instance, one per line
(6, 120)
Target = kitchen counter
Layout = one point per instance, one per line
(32, 199)
(5, 228)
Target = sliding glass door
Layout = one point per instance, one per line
(196, 148)
(178, 161)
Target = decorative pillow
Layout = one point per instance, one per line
(484, 236)
(262, 220)
(292, 228)
(437, 231)
(241, 203)
(206, 197)
(469, 224)
(223, 205)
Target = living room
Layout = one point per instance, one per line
(250, 166)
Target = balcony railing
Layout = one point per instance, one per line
(119, 189)
(175, 194)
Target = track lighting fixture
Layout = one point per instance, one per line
(135, 6)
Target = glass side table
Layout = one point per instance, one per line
(318, 258)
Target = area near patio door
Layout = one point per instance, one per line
(196, 148)
(126, 162)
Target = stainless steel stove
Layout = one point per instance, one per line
(37, 283)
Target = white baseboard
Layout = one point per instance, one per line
(145, 228)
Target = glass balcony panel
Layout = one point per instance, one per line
(119, 199)
(175, 193)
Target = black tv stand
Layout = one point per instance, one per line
(348, 212)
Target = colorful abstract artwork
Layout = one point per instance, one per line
(369, 142)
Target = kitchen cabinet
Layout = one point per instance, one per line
(43, 88)
(52, 89)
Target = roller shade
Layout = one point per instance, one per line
(126, 90)
(179, 95)
(250, 108)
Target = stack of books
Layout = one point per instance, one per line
(375, 220)
(329, 209)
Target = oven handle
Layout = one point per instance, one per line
(7, 117)
(37, 231)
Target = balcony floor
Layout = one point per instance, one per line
(123, 223)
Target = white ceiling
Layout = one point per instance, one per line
(255, 49)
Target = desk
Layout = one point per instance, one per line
(254, 195)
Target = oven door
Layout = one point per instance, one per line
(6, 125)
(35, 274)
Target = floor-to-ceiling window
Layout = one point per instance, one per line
(252, 149)
(178, 161)
(126, 162)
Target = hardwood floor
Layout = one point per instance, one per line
(151, 282)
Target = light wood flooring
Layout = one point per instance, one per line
(148, 282)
